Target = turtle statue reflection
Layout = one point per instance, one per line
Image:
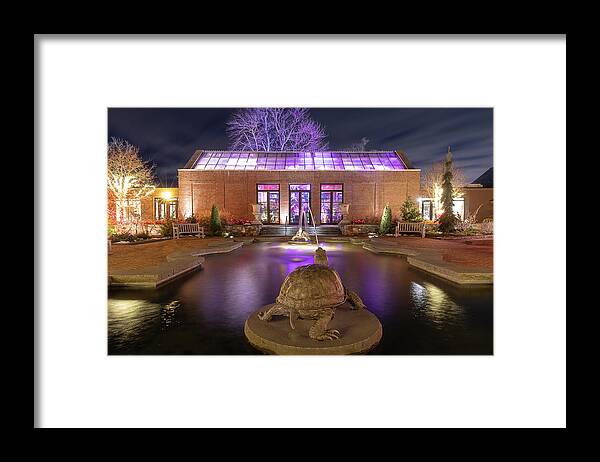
(313, 292)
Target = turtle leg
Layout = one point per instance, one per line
(319, 330)
(354, 300)
(274, 310)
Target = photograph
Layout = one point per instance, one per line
(300, 231)
(225, 221)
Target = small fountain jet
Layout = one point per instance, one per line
(301, 236)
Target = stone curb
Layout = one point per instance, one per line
(429, 261)
(271, 341)
(457, 277)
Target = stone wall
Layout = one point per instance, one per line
(234, 191)
(355, 230)
(243, 230)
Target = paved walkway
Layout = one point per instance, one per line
(126, 257)
(152, 264)
(468, 253)
(463, 261)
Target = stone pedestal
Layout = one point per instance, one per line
(256, 213)
(360, 332)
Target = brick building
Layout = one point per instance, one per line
(160, 204)
(477, 197)
(283, 184)
(480, 195)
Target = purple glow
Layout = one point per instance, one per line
(326, 160)
(332, 198)
(297, 187)
(268, 187)
(331, 187)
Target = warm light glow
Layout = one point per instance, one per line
(166, 194)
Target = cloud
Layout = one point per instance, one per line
(169, 136)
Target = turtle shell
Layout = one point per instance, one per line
(312, 287)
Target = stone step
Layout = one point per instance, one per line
(291, 230)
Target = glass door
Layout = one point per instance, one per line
(299, 203)
(332, 197)
(267, 197)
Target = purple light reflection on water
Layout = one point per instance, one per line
(420, 314)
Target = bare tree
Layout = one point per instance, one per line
(275, 129)
(129, 177)
(360, 146)
(431, 182)
(468, 222)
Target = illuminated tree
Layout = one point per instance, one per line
(410, 211)
(129, 178)
(431, 182)
(386, 220)
(448, 219)
(275, 129)
(215, 221)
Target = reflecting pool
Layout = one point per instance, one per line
(204, 313)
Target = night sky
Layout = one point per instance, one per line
(169, 137)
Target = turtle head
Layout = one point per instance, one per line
(321, 257)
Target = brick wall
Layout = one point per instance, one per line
(147, 203)
(474, 197)
(234, 191)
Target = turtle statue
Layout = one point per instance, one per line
(312, 292)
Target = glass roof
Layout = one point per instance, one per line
(327, 160)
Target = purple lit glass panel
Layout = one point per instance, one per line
(274, 207)
(326, 207)
(294, 207)
(239, 160)
(262, 205)
(296, 187)
(334, 187)
(336, 213)
(268, 187)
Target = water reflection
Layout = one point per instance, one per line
(204, 313)
(435, 305)
(168, 314)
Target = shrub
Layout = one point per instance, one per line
(166, 228)
(215, 221)
(122, 237)
(410, 211)
(112, 230)
(386, 220)
(142, 236)
(191, 219)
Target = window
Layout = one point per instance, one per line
(458, 207)
(267, 197)
(299, 200)
(427, 210)
(165, 208)
(332, 196)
